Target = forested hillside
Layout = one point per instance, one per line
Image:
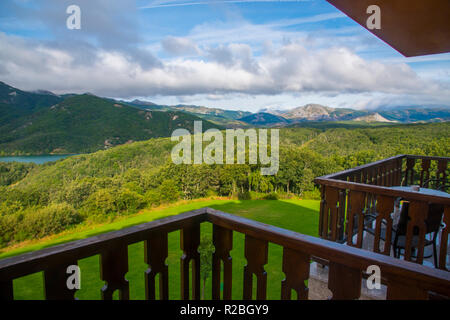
(86, 123)
(37, 200)
(16, 105)
(43, 123)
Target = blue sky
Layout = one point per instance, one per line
(242, 55)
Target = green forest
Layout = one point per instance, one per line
(40, 200)
(83, 123)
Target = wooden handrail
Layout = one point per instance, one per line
(380, 190)
(347, 172)
(346, 263)
(426, 157)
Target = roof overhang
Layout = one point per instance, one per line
(412, 27)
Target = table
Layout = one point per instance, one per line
(427, 191)
(432, 192)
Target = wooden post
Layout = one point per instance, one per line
(223, 243)
(113, 267)
(296, 266)
(256, 253)
(190, 240)
(155, 255)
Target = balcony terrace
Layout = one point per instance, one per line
(359, 205)
(348, 197)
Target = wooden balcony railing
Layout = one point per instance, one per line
(347, 265)
(349, 196)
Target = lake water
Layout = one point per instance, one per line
(36, 159)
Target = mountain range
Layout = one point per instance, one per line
(42, 122)
(307, 113)
(401, 114)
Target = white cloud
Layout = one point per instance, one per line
(178, 46)
(290, 69)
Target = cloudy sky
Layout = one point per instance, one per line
(240, 55)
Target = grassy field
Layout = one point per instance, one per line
(297, 215)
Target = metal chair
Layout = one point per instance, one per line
(433, 225)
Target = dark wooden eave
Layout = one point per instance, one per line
(412, 27)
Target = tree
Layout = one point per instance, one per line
(169, 191)
(127, 200)
(306, 181)
(103, 200)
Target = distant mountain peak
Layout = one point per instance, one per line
(309, 112)
(143, 103)
(374, 117)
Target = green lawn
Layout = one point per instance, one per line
(296, 215)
